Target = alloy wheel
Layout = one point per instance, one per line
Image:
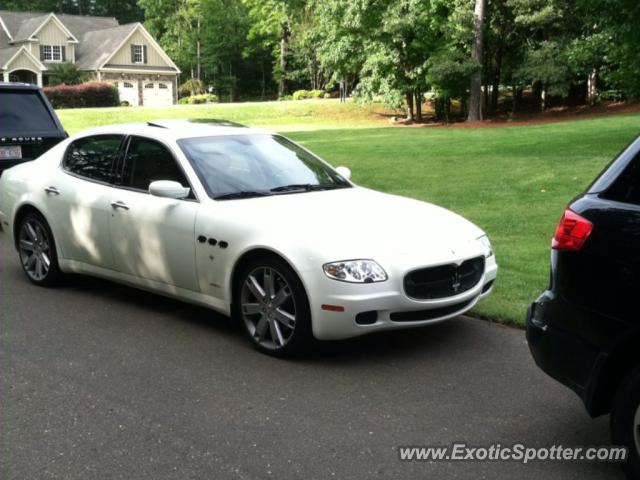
(35, 249)
(268, 307)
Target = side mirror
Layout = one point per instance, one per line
(345, 172)
(168, 189)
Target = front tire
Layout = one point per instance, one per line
(271, 304)
(37, 251)
(625, 421)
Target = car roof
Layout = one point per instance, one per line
(176, 129)
(17, 86)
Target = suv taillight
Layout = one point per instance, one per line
(572, 231)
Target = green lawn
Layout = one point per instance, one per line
(513, 181)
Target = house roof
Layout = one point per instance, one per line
(97, 46)
(7, 54)
(22, 25)
(98, 37)
(4, 38)
(28, 27)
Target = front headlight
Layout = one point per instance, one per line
(486, 243)
(355, 271)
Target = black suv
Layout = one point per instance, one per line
(28, 125)
(584, 331)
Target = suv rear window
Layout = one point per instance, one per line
(24, 112)
(626, 188)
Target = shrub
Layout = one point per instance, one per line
(66, 73)
(198, 99)
(285, 98)
(191, 87)
(305, 94)
(300, 94)
(90, 94)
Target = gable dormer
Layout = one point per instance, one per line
(140, 50)
(52, 42)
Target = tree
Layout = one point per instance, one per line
(339, 44)
(224, 38)
(546, 66)
(395, 39)
(449, 74)
(272, 21)
(126, 11)
(475, 97)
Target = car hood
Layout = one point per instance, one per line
(359, 223)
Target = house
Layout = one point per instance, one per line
(124, 55)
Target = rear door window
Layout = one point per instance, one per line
(23, 112)
(626, 188)
(93, 157)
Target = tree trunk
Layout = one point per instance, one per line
(536, 95)
(485, 98)
(199, 67)
(475, 97)
(409, 96)
(544, 98)
(495, 86)
(418, 106)
(284, 49)
(232, 96)
(591, 87)
(263, 83)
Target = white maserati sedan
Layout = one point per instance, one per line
(247, 223)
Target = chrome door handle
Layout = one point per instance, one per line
(52, 191)
(121, 205)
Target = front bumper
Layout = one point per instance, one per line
(563, 355)
(385, 299)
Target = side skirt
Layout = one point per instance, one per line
(171, 291)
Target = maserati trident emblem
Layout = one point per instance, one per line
(455, 281)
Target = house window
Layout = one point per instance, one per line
(51, 53)
(149, 85)
(128, 85)
(138, 54)
(162, 85)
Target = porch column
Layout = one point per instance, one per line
(40, 79)
(5, 76)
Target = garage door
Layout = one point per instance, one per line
(128, 91)
(157, 94)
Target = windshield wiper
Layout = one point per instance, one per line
(242, 194)
(306, 187)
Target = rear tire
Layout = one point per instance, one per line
(37, 251)
(271, 304)
(625, 421)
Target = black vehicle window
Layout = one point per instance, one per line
(24, 113)
(148, 161)
(92, 157)
(626, 188)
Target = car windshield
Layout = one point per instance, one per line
(244, 166)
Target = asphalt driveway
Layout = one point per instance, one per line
(103, 381)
